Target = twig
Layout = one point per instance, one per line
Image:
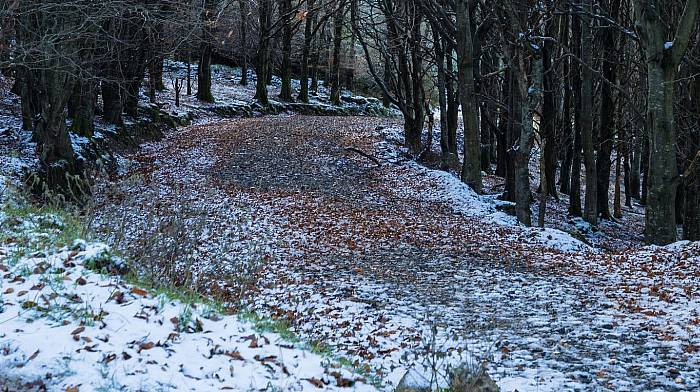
(364, 154)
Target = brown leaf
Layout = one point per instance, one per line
(28, 304)
(691, 349)
(81, 281)
(33, 355)
(78, 330)
(235, 355)
(315, 382)
(146, 346)
(139, 291)
(341, 381)
(72, 389)
(253, 341)
(118, 297)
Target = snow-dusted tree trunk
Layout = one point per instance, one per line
(663, 58)
(528, 72)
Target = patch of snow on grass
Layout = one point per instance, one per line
(65, 326)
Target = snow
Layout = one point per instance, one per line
(66, 326)
(447, 188)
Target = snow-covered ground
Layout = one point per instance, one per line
(65, 327)
(388, 267)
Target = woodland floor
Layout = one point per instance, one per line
(394, 265)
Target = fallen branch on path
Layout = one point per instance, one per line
(364, 154)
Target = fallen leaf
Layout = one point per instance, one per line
(28, 304)
(139, 291)
(315, 382)
(235, 355)
(78, 330)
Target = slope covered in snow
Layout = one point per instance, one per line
(65, 326)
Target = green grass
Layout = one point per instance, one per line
(284, 329)
(39, 228)
(265, 324)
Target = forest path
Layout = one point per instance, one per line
(373, 261)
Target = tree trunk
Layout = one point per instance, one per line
(352, 61)
(63, 174)
(315, 62)
(662, 65)
(617, 203)
(204, 69)
(189, 73)
(471, 169)
(263, 55)
(549, 114)
(286, 71)
(691, 223)
(663, 169)
(306, 52)
(156, 72)
(446, 158)
(691, 177)
(112, 105)
(636, 170)
(334, 77)
(607, 113)
(590, 211)
(243, 4)
(452, 104)
(513, 130)
(81, 108)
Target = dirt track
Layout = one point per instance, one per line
(365, 265)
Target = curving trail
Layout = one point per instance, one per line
(377, 260)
